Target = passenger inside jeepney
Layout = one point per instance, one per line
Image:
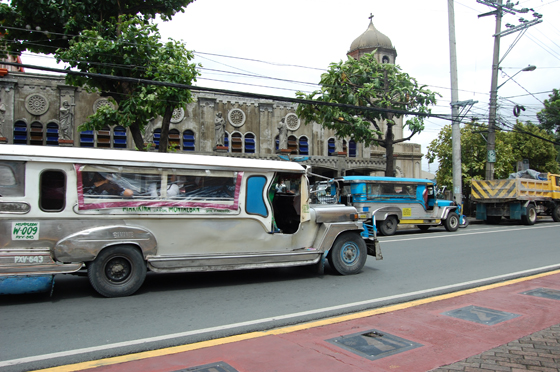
(97, 184)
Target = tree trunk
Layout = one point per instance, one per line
(137, 137)
(163, 140)
(389, 157)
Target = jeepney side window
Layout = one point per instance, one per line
(52, 191)
(255, 203)
(12, 178)
(557, 181)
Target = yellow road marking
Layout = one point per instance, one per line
(283, 330)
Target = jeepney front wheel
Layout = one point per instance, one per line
(388, 226)
(117, 271)
(531, 217)
(348, 254)
(451, 223)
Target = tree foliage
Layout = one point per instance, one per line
(549, 116)
(42, 26)
(368, 84)
(131, 47)
(511, 147)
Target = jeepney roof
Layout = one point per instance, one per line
(140, 158)
(371, 179)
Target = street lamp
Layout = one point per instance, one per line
(491, 143)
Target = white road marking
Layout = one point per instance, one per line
(68, 353)
(454, 235)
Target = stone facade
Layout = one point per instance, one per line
(38, 109)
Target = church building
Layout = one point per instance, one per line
(41, 110)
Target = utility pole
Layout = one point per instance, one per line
(455, 127)
(499, 11)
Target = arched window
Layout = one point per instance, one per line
(87, 138)
(188, 140)
(174, 139)
(52, 134)
(20, 133)
(352, 149)
(36, 134)
(331, 147)
(119, 137)
(104, 137)
(226, 140)
(293, 144)
(250, 144)
(303, 146)
(157, 136)
(236, 142)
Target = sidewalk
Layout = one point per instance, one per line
(509, 326)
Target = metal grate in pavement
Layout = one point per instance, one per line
(214, 367)
(481, 315)
(373, 344)
(551, 294)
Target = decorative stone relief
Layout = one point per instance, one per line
(177, 116)
(237, 117)
(36, 104)
(102, 102)
(293, 122)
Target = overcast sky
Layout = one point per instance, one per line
(312, 33)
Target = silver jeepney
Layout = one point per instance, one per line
(118, 214)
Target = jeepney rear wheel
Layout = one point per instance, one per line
(117, 271)
(451, 223)
(348, 254)
(531, 217)
(388, 226)
(556, 213)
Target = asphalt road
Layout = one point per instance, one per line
(76, 324)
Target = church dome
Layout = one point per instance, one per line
(371, 39)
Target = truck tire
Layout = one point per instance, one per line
(531, 217)
(556, 213)
(348, 254)
(493, 220)
(117, 271)
(451, 223)
(388, 226)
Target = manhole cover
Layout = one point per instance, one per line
(214, 367)
(552, 294)
(373, 344)
(481, 315)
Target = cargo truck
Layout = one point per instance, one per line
(517, 199)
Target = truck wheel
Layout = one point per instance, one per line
(348, 254)
(117, 271)
(531, 217)
(493, 220)
(556, 213)
(451, 223)
(388, 226)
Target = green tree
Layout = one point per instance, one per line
(368, 83)
(526, 144)
(473, 155)
(42, 26)
(549, 116)
(131, 47)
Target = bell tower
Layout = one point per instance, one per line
(371, 40)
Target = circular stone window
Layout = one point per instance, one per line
(292, 122)
(177, 116)
(102, 102)
(36, 104)
(236, 117)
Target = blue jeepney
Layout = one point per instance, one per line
(388, 201)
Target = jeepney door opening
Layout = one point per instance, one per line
(285, 197)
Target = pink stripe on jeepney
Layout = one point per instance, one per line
(166, 203)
